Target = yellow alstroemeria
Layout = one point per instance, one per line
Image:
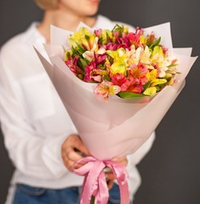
(157, 55)
(143, 40)
(106, 35)
(151, 75)
(83, 38)
(68, 54)
(119, 61)
(170, 82)
(157, 50)
(169, 78)
(156, 82)
(150, 91)
(114, 89)
(117, 68)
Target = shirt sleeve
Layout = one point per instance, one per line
(32, 154)
(143, 150)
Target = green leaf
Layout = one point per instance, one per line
(172, 65)
(83, 63)
(106, 77)
(126, 94)
(80, 49)
(146, 85)
(156, 43)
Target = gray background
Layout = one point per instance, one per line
(171, 171)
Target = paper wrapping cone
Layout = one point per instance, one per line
(116, 127)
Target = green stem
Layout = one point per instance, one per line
(92, 200)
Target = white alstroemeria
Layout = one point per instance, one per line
(95, 45)
(138, 53)
(101, 51)
(145, 56)
(89, 55)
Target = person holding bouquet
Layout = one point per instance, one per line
(41, 140)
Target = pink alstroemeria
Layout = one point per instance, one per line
(112, 46)
(135, 37)
(94, 73)
(105, 89)
(88, 70)
(98, 32)
(124, 42)
(72, 64)
(99, 58)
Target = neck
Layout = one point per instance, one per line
(62, 20)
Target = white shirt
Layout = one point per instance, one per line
(34, 121)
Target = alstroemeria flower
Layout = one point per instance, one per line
(150, 91)
(119, 61)
(156, 82)
(139, 72)
(123, 82)
(105, 37)
(106, 88)
(152, 74)
(72, 64)
(135, 37)
(90, 55)
(136, 89)
(84, 39)
(145, 58)
(93, 73)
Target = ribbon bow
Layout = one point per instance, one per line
(95, 181)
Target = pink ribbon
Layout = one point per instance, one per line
(95, 181)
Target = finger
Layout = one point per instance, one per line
(110, 184)
(121, 160)
(110, 176)
(70, 158)
(81, 148)
(71, 164)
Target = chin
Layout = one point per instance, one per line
(91, 12)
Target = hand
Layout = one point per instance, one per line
(110, 177)
(72, 150)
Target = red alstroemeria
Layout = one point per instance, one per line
(136, 89)
(118, 79)
(135, 37)
(123, 82)
(139, 72)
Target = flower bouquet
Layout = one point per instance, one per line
(116, 86)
